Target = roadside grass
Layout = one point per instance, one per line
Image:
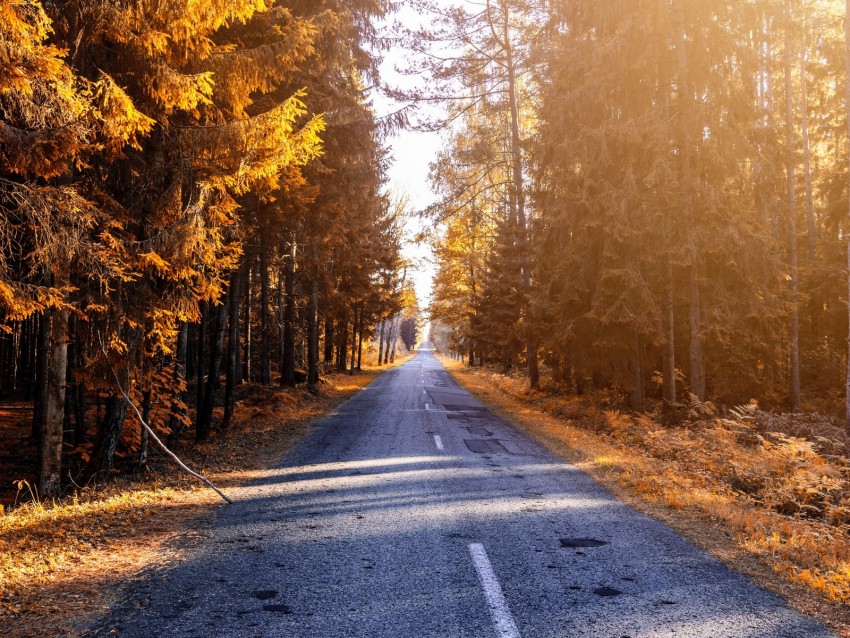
(63, 562)
(770, 504)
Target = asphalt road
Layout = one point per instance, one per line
(413, 511)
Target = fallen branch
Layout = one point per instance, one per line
(156, 438)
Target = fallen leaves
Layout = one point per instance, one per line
(61, 562)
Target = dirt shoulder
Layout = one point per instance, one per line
(670, 474)
(64, 562)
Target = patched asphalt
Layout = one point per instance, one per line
(365, 529)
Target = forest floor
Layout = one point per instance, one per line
(64, 562)
(767, 494)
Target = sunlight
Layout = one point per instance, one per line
(356, 465)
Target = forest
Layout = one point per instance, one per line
(640, 239)
(191, 197)
(648, 198)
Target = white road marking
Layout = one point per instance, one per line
(438, 442)
(499, 612)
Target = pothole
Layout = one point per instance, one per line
(265, 594)
(582, 542)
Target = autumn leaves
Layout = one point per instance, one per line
(154, 153)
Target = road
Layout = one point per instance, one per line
(413, 511)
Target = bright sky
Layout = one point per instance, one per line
(411, 153)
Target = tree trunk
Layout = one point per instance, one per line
(205, 410)
(638, 392)
(265, 321)
(76, 393)
(42, 367)
(394, 334)
(175, 427)
(287, 364)
(146, 416)
(531, 355)
(342, 347)
(109, 431)
(668, 349)
(32, 355)
(248, 354)
(792, 218)
(313, 338)
(387, 341)
(353, 341)
(686, 107)
(697, 371)
(360, 341)
(381, 343)
(201, 361)
(847, 220)
(811, 231)
(50, 448)
(233, 347)
(329, 340)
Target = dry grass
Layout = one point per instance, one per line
(62, 562)
(772, 505)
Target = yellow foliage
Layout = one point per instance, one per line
(121, 124)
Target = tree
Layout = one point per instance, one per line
(479, 65)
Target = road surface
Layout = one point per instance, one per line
(414, 512)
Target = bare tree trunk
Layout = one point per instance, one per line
(145, 436)
(313, 338)
(32, 355)
(697, 371)
(360, 340)
(42, 367)
(265, 322)
(389, 340)
(109, 430)
(248, 376)
(394, 341)
(280, 307)
(381, 343)
(638, 392)
(353, 341)
(205, 410)
(531, 356)
(201, 360)
(329, 340)
(847, 221)
(342, 347)
(811, 231)
(668, 347)
(232, 366)
(686, 107)
(174, 425)
(50, 448)
(792, 218)
(76, 392)
(287, 364)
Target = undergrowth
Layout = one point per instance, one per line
(785, 498)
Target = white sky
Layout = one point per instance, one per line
(411, 153)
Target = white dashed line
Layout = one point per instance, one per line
(438, 442)
(499, 612)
